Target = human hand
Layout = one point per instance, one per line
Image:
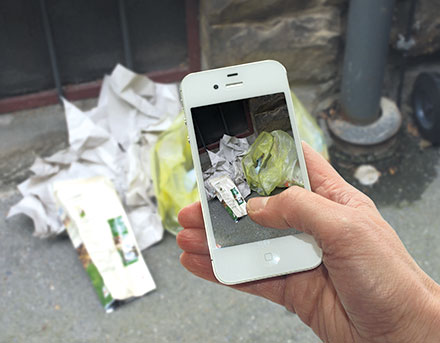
(368, 288)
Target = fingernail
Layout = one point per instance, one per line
(256, 204)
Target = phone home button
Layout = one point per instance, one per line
(268, 257)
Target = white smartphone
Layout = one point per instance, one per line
(245, 143)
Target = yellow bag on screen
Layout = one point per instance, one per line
(272, 162)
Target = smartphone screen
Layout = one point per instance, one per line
(246, 149)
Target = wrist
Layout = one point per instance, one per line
(431, 315)
(424, 322)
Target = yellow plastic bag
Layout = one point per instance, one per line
(309, 130)
(173, 174)
(272, 162)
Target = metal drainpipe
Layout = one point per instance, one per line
(368, 32)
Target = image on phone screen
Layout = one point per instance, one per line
(246, 149)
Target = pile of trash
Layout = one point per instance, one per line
(106, 166)
(113, 139)
(127, 172)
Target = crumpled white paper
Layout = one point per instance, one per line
(227, 161)
(113, 140)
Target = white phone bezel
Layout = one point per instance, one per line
(262, 259)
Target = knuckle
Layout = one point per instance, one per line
(344, 230)
(368, 201)
(291, 194)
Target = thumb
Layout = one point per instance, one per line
(301, 209)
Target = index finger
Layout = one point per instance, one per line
(191, 216)
(326, 181)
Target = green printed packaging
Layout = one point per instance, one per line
(229, 195)
(123, 241)
(101, 233)
(101, 290)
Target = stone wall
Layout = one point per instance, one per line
(425, 29)
(423, 48)
(307, 36)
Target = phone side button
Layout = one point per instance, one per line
(187, 137)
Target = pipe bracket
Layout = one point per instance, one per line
(384, 128)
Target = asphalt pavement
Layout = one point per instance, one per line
(46, 296)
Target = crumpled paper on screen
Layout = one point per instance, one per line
(227, 161)
(113, 140)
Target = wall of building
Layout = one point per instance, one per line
(307, 36)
